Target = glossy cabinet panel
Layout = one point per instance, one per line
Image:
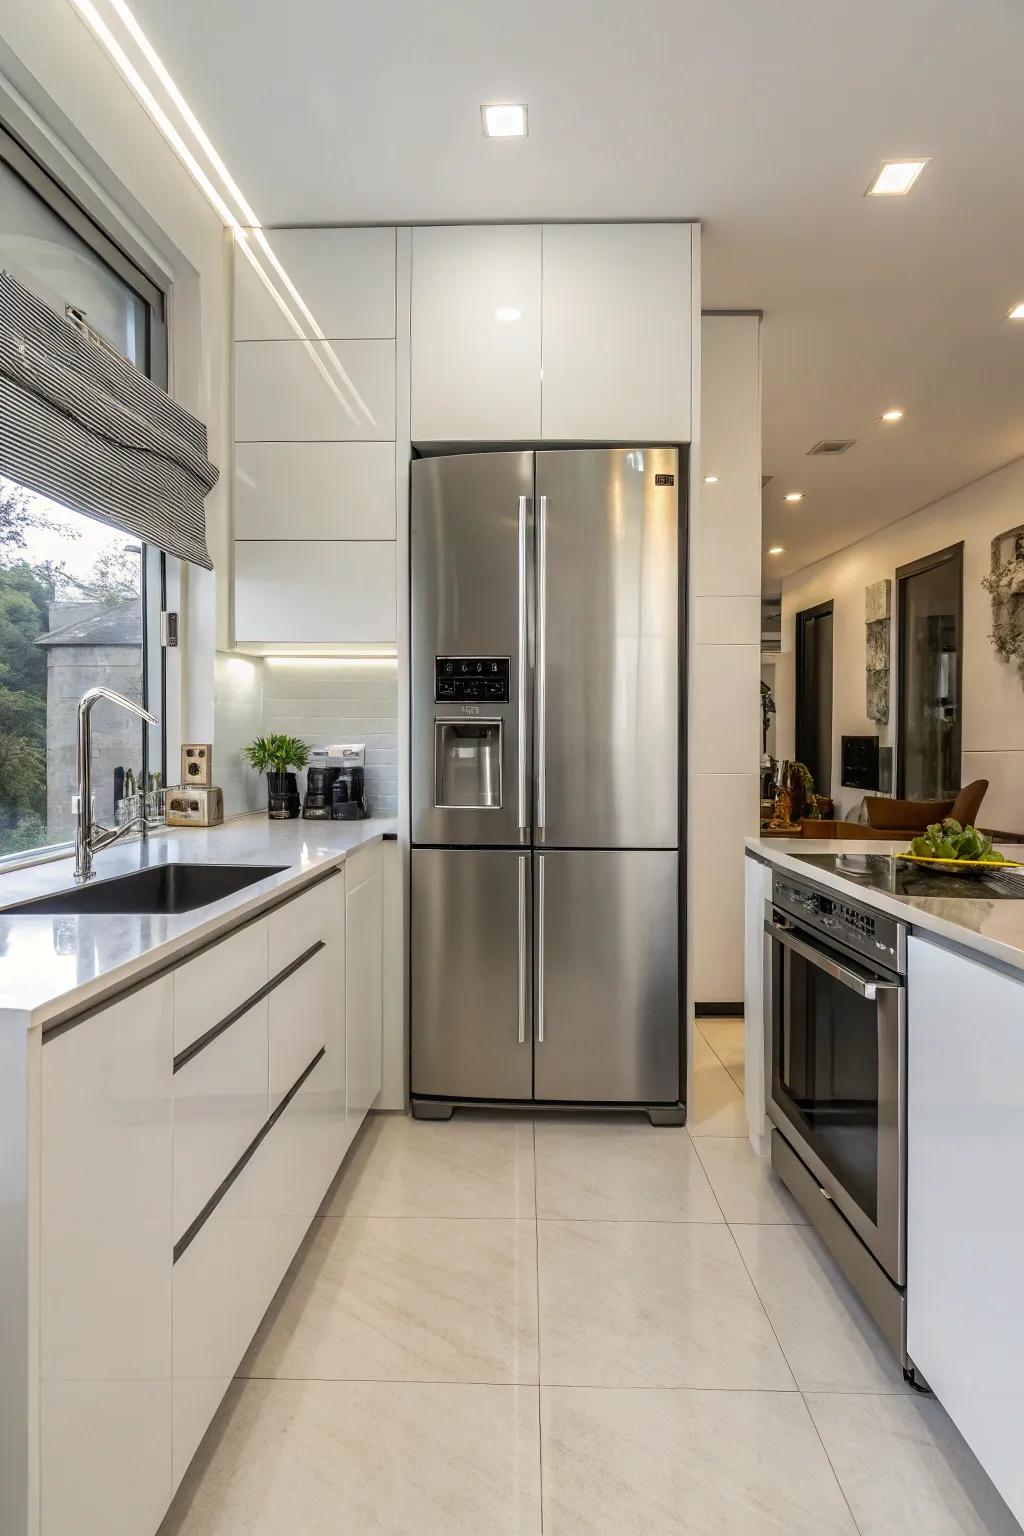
(105, 1283)
(226, 1278)
(314, 391)
(616, 324)
(333, 592)
(220, 1104)
(345, 277)
(476, 333)
(298, 923)
(364, 1000)
(217, 980)
(315, 490)
(298, 1023)
(965, 1172)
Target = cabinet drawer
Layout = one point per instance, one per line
(346, 278)
(217, 981)
(300, 922)
(220, 1105)
(298, 1023)
(226, 1278)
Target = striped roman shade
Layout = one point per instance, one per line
(81, 425)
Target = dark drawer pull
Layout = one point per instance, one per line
(194, 1228)
(184, 1057)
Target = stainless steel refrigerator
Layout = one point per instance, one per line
(546, 726)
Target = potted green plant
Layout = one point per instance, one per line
(274, 755)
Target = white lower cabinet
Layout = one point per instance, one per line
(298, 1023)
(172, 1202)
(220, 1104)
(364, 999)
(105, 1273)
(226, 1278)
(965, 1237)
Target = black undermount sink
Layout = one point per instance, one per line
(161, 889)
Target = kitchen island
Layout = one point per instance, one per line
(894, 1021)
(177, 1091)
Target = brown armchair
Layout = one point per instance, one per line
(903, 818)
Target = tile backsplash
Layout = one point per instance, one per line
(340, 701)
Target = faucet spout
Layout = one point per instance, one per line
(89, 837)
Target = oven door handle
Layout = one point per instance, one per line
(865, 987)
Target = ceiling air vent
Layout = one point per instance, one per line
(831, 445)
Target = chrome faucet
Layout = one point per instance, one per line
(90, 837)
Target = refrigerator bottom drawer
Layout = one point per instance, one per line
(471, 1003)
(607, 976)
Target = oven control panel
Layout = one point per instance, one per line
(875, 936)
(470, 678)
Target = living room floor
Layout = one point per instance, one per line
(581, 1326)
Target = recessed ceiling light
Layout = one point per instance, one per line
(1016, 313)
(710, 479)
(895, 178)
(895, 414)
(776, 549)
(504, 120)
(794, 495)
(507, 313)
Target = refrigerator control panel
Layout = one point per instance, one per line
(471, 677)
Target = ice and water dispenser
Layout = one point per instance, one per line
(468, 751)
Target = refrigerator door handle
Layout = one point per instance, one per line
(540, 949)
(542, 625)
(523, 864)
(521, 757)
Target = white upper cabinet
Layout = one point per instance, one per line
(314, 391)
(315, 490)
(344, 277)
(617, 332)
(476, 333)
(315, 591)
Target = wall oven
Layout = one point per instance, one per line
(835, 1082)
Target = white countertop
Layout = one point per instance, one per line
(52, 966)
(993, 928)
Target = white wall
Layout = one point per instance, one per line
(993, 705)
(725, 660)
(73, 96)
(337, 702)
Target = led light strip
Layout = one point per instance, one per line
(91, 16)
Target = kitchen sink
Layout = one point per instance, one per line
(161, 889)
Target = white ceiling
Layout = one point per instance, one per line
(766, 119)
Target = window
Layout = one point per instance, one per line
(79, 600)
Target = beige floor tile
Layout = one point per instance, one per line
(744, 1184)
(645, 1463)
(620, 1170)
(830, 1341)
(651, 1304)
(472, 1165)
(328, 1458)
(406, 1299)
(717, 1107)
(727, 1038)
(904, 1467)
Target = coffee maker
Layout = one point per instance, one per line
(336, 783)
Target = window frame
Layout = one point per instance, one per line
(154, 572)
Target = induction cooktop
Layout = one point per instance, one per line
(882, 872)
